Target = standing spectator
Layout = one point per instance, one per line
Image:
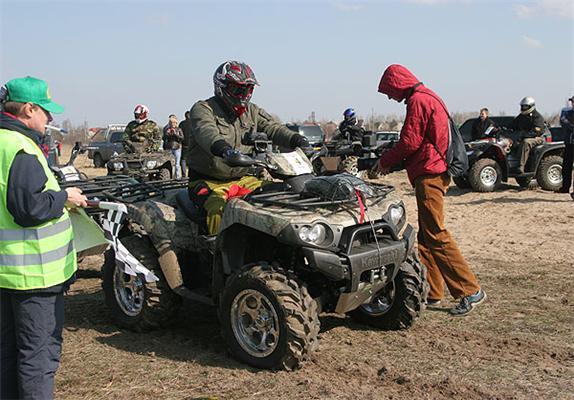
(481, 125)
(37, 255)
(422, 147)
(567, 123)
(172, 140)
(185, 127)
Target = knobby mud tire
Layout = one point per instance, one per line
(297, 313)
(474, 175)
(542, 174)
(410, 299)
(350, 166)
(164, 174)
(160, 305)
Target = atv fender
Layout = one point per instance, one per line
(543, 151)
(494, 152)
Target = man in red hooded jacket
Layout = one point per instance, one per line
(422, 148)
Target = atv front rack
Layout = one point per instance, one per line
(297, 201)
(123, 188)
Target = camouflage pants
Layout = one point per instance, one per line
(220, 194)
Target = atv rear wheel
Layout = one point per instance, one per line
(461, 182)
(99, 161)
(268, 318)
(350, 166)
(400, 303)
(485, 175)
(549, 173)
(134, 303)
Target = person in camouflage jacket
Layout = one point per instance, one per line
(142, 135)
(221, 127)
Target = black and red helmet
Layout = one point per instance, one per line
(140, 112)
(233, 83)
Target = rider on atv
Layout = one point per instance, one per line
(348, 128)
(530, 124)
(142, 135)
(222, 127)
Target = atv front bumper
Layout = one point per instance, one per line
(366, 268)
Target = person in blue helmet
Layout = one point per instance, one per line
(348, 128)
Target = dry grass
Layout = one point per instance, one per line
(517, 345)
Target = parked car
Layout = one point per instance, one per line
(313, 133)
(466, 128)
(105, 144)
(385, 137)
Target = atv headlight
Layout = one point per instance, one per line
(150, 164)
(118, 166)
(396, 216)
(317, 234)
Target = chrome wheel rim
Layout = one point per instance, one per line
(255, 323)
(129, 292)
(488, 176)
(382, 302)
(555, 174)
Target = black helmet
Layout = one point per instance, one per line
(233, 83)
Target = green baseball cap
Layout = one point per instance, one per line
(32, 90)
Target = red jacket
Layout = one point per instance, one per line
(426, 122)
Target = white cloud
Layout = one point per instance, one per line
(523, 12)
(531, 42)
(348, 6)
(556, 8)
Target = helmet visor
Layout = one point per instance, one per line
(241, 92)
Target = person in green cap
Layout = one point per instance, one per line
(37, 256)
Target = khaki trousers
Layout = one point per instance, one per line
(437, 249)
(527, 145)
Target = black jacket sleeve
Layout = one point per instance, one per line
(26, 201)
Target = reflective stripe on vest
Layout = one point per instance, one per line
(32, 257)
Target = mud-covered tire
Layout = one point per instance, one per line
(164, 174)
(461, 182)
(372, 174)
(485, 175)
(99, 161)
(281, 299)
(157, 304)
(549, 173)
(350, 166)
(404, 305)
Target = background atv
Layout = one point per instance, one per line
(157, 165)
(283, 254)
(492, 161)
(337, 157)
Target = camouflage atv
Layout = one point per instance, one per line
(284, 253)
(157, 165)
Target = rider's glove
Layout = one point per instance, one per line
(230, 153)
(298, 141)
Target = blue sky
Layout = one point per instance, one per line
(102, 58)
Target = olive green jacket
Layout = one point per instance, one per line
(210, 123)
(142, 137)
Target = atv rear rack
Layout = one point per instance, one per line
(300, 202)
(125, 189)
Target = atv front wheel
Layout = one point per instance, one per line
(350, 166)
(164, 174)
(549, 173)
(134, 303)
(398, 304)
(485, 175)
(268, 318)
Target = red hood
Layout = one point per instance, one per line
(397, 81)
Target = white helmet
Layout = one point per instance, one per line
(527, 105)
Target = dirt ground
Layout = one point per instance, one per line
(518, 345)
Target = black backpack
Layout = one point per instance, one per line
(456, 158)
